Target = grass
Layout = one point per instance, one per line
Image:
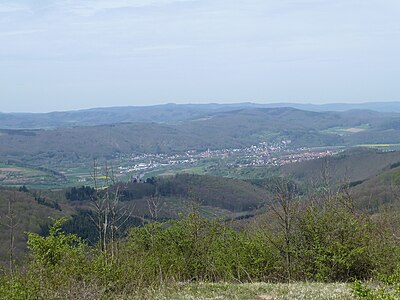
(198, 170)
(229, 291)
(265, 134)
(254, 291)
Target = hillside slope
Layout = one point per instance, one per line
(379, 192)
(354, 165)
(29, 214)
(211, 196)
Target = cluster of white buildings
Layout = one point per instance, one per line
(263, 154)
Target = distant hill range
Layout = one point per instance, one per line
(222, 129)
(167, 113)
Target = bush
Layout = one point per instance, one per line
(16, 287)
(328, 244)
(387, 288)
(177, 249)
(333, 245)
(199, 249)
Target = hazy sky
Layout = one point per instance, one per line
(57, 55)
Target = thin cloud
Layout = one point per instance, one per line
(92, 7)
(21, 32)
(12, 7)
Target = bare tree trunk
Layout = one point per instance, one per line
(11, 225)
(110, 215)
(97, 205)
(284, 208)
(154, 205)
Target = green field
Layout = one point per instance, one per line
(11, 174)
(346, 130)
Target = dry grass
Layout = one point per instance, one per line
(207, 291)
(254, 291)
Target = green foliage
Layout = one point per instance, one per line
(360, 290)
(388, 288)
(16, 288)
(56, 261)
(82, 225)
(231, 194)
(29, 216)
(333, 245)
(179, 249)
(245, 257)
(329, 244)
(199, 249)
(57, 248)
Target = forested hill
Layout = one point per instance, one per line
(355, 165)
(237, 128)
(166, 113)
(176, 195)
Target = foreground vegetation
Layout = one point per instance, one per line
(123, 245)
(316, 239)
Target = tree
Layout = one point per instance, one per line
(110, 215)
(11, 224)
(284, 207)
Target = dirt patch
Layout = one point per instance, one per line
(9, 170)
(354, 130)
(167, 174)
(266, 297)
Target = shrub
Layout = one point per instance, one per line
(333, 245)
(199, 249)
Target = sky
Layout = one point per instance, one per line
(74, 54)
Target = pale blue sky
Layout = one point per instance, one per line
(58, 55)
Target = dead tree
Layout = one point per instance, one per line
(345, 197)
(98, 205)
(11, 224)
(284, 207)
(119, 215)
(154, 206)
(110, 215)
